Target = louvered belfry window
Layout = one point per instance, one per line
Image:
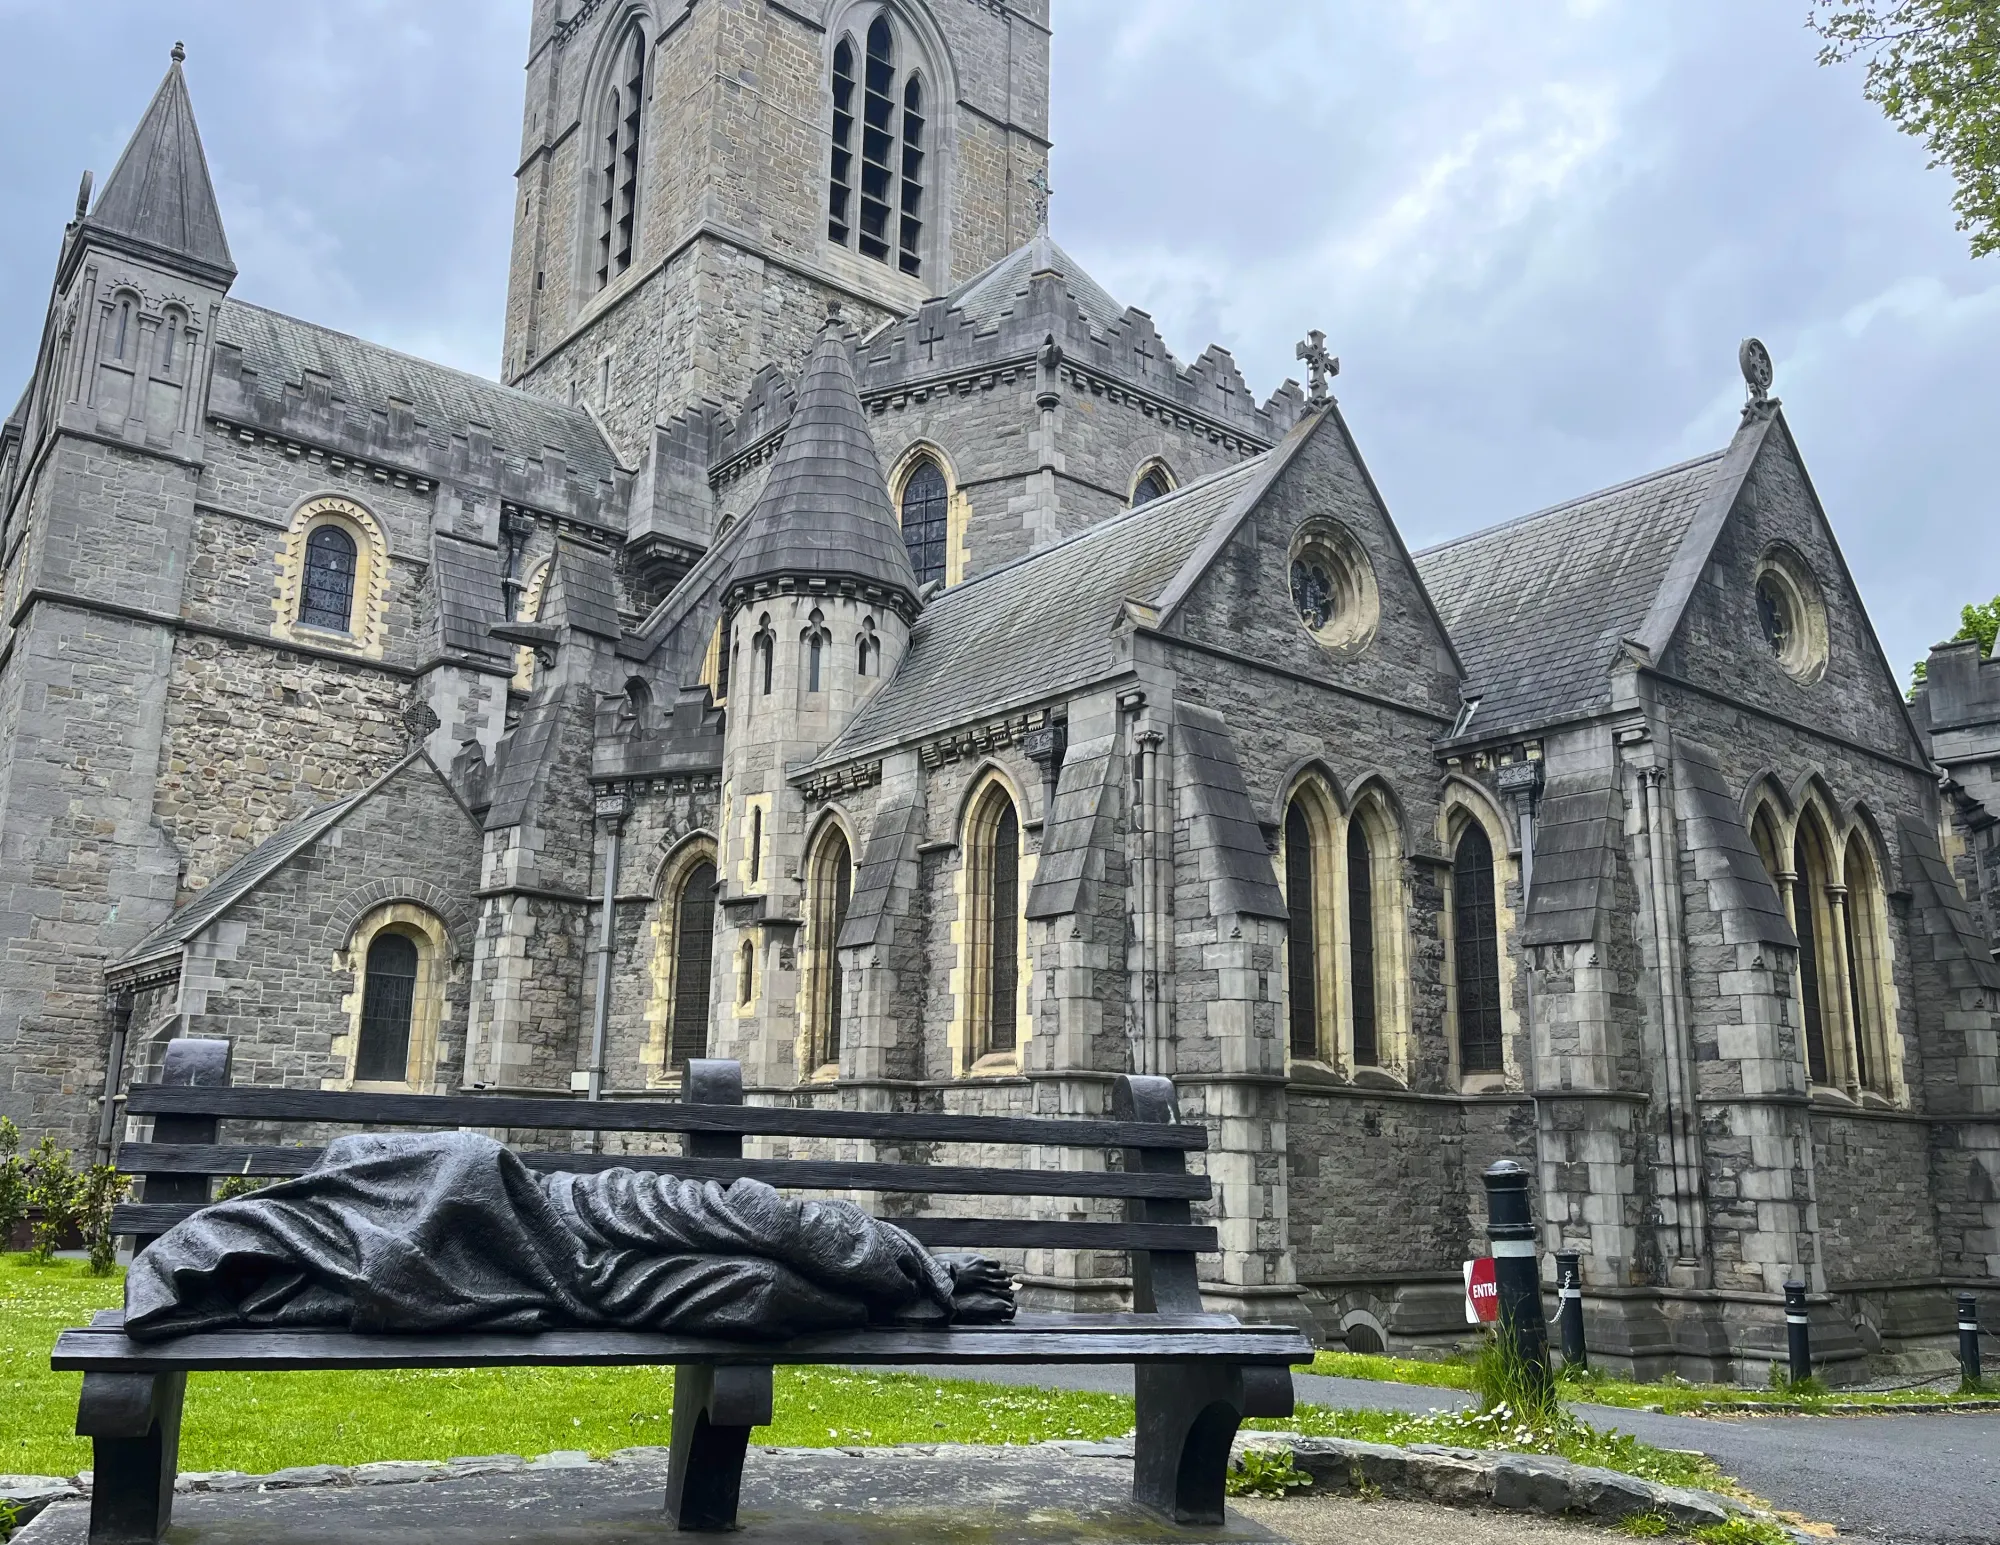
(618, 159)
(926, 523)
(1302, 943)
(326, 597)
(388, 1002)
(1476, 953)
(694, 941)
(877, 206)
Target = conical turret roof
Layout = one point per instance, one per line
(825, 511)
(158, 200)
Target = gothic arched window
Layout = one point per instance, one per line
(388, 1006)
(694, 940)
(830, 885)
(886, 221)
(326, 596)
(621, 127)
(1361, 943)
(1152, 486)
(1476, 953)
(926, 520)
(1810, 921)
(993, 902)
(1302, 940)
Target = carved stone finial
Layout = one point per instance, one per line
(832, 317)
(1755, 362)
(83, 196)
(1324, 366)
(180, 53)
(1043, 192)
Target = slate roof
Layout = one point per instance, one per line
(1233, 856)
(159, 195)
(825, 509)
(1042, 625)
(280, 349)
(253, 868)
(467, 576)
(581, 591)
(1576, 841)
(989, 296)
(1537, 606)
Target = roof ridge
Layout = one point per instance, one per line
(1569, 504)
(1109, 524)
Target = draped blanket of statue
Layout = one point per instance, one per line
(451, 1231)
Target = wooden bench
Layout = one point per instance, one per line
(1197, 1375)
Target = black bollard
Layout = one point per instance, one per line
(1798, 1335)
(1569, 1305)
(1968, 1337)
(1511, 1229)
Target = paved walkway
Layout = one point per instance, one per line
(1933, 1479)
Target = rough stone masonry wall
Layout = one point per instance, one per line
(270, 975)
(1873, 1178)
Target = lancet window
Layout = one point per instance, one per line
(621, 128)
(1476, 953)
(881, 147)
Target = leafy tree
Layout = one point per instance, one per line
(99, 1189)
(1933, 66)
(53, 1191)
(1974, 621)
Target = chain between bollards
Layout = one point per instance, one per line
(1569, 1309)
(1798, 1335)
(1510, 1228)
(1968, 1338)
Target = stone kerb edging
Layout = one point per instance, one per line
(1458, 1477)
(1524, 1483)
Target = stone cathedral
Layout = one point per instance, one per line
(852, 642)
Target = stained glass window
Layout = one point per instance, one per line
(1476, 953)
(1361, 943)
(926, 523)
(1808, 901)
(326, 598)
(694, 939)
(1302, 949)
(388, 1002)
(1003, 909)
(1151, 487)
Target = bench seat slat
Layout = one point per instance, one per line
(458, 1110)
(109, 1351)
(994, 1233)
(796, 1174)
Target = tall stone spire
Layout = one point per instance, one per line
(158, 203)
(825, 513)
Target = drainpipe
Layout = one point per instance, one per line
(612, 810)
(120, 1005)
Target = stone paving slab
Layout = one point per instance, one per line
(1044, 1495)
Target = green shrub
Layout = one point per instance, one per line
(54, 1190)
(1507, 1379)
(1265, 1472)
(101, 1188)
(13, 1181)
(234, 1186)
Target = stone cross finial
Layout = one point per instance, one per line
(1040, 183)
(180, 53)
(1324, 366)
(1755, 362)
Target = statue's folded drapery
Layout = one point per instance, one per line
(452, 1231)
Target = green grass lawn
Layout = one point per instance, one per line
(258, 1422)
(1674, 1396)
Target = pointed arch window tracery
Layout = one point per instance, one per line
(926, 518)
(993, 937)
(621, 143)
(830, 887)
(1476, 953)
(878, 176)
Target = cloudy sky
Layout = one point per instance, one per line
(1533, 231)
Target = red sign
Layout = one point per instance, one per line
(1482, 1292)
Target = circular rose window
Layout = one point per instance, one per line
(1791, 614)
(1333, 586)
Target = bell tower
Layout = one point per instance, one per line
(699, 180)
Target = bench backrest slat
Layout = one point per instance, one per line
(791, 1174)
(151, 1218)
(249, 1103)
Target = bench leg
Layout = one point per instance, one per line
(1188, 1414)
(134, 1423)
(714, 1410)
